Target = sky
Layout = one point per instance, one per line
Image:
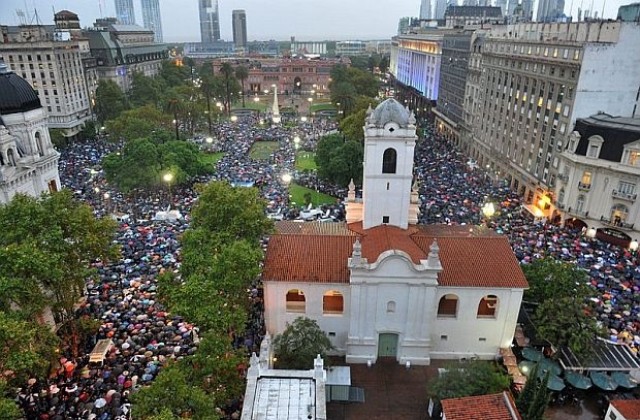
(267, 19)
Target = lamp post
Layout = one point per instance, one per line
(175, 123)
(296, 142)
(168, 177)
(234, 118)
(106, 196)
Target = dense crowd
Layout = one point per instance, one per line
(145, 335)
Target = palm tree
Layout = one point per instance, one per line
(242, 73)
(174, 106)
(228, 74)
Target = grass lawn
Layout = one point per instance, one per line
(322, 107)
(304, 160)
(261, 150)
(250, 104)
(297, 193)
(210, 159)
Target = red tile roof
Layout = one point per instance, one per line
(630, 409)
(487, 407)
(470, 256)
(308, 258)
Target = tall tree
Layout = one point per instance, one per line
(63, 237)
(144, 90)
(299, 344)
(242, 73)
(549, 278)
(227, 72)
(534, 398)
(139, 123)
(110, 100)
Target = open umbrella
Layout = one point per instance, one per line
(548, 365)
(624, 380)
(532, 354)
(603, 381)
(555, 383)
(577, 380)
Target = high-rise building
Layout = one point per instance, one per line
(209, 21)
(441, 7)
(550, 10)
(527, 9)
(151, 18)
(125, 12)
(239, 26)
(425, 9)
(538, 79)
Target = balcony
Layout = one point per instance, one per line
(624, 196)
(617, 224)
(584, 187)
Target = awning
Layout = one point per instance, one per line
(605, 356)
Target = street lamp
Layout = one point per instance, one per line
(175, 123)
(488, 210)
(286, 178)
(234, 118)
(591, 233)
(303, 119)
(296, 142)
(107, 196)
(168, 177)
(633, 246)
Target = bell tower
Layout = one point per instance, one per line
(389, 143)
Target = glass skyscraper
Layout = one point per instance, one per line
(151, 18)
(209, 21)
(125, 13)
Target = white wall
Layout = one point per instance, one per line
(609, 76)
(277, 317)
(465, 330)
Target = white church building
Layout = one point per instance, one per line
(380, 285)
(28, 161)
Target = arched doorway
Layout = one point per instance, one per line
(388, 345)
(297, 85)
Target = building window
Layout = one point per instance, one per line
(586, 178)
(385, 219)
(580, 203)
(626, 188)
(488, 306)
(296, 301)
(389, 161)
(332, 303)
(619, 214)
(448, 306)
(39, 145)
(391, 307)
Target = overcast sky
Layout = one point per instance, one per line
(266, 19)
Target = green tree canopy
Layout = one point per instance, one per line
(110, 101)
(339, 161)
(141, 122)
(27, 348)
(231, 213)
(172, 392)
(348, 83)
(549, 278)
(468, 379)
(299, 344)
(145, 90)
(174, 75)
(48, 245)
(143, 162)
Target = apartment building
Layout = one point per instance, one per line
(537, 79)
(51, 61)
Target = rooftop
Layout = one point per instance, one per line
(488, 407)
(620, 123)
(284, 398)
(315, 252)
(630, 409)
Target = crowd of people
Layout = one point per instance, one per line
(144, 335)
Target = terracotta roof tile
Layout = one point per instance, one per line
(319, 252)
(630, 409)
(308, 258)
(486, 407)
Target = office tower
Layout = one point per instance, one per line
(441, 7)
(239, 26)
(527, 9)
(151, 18)
(502, 4)
(125, 13)
(550, 10)
(209, 21)
(425, 9)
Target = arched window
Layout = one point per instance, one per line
(11, 157)
(561, 195)
(448, 306)
(332, 302)
(296, 301)
(39, 144)
(580, 203)
(391, 307)
(389, 161)
(488, 306)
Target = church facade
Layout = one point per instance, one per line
(380, 285)
(28, 161)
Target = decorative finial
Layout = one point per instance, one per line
(352, 186)
(434, 248)
(433, 260)
(412, 118)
